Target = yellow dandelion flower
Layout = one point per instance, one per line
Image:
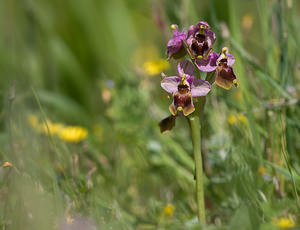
(284, 223)
(232, 119)
(262, 170)
(73, 133)
(156, 66)
(7, 164)
(242, 118)
(169, 210)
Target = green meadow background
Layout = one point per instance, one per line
(90, 64)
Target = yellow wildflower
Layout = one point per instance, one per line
(73, 133)
(169, 210)
(67, 133)
(6, 164)
(232, 119)
(242, 118)
(262, 170)
(239, 118)
(155, 66)
(284, 223)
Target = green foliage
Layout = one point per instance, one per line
(81, 63)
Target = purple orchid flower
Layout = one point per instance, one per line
(175, 46)
(200, 40)
(222, 63)
(183, 88)
(225, 76)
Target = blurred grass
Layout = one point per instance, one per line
(84, 60)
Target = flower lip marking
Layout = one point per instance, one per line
(183, 88)
(200, 40)
(199, 44)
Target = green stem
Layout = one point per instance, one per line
(194, 121)
(195, 131)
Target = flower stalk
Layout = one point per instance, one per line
(195, 132)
